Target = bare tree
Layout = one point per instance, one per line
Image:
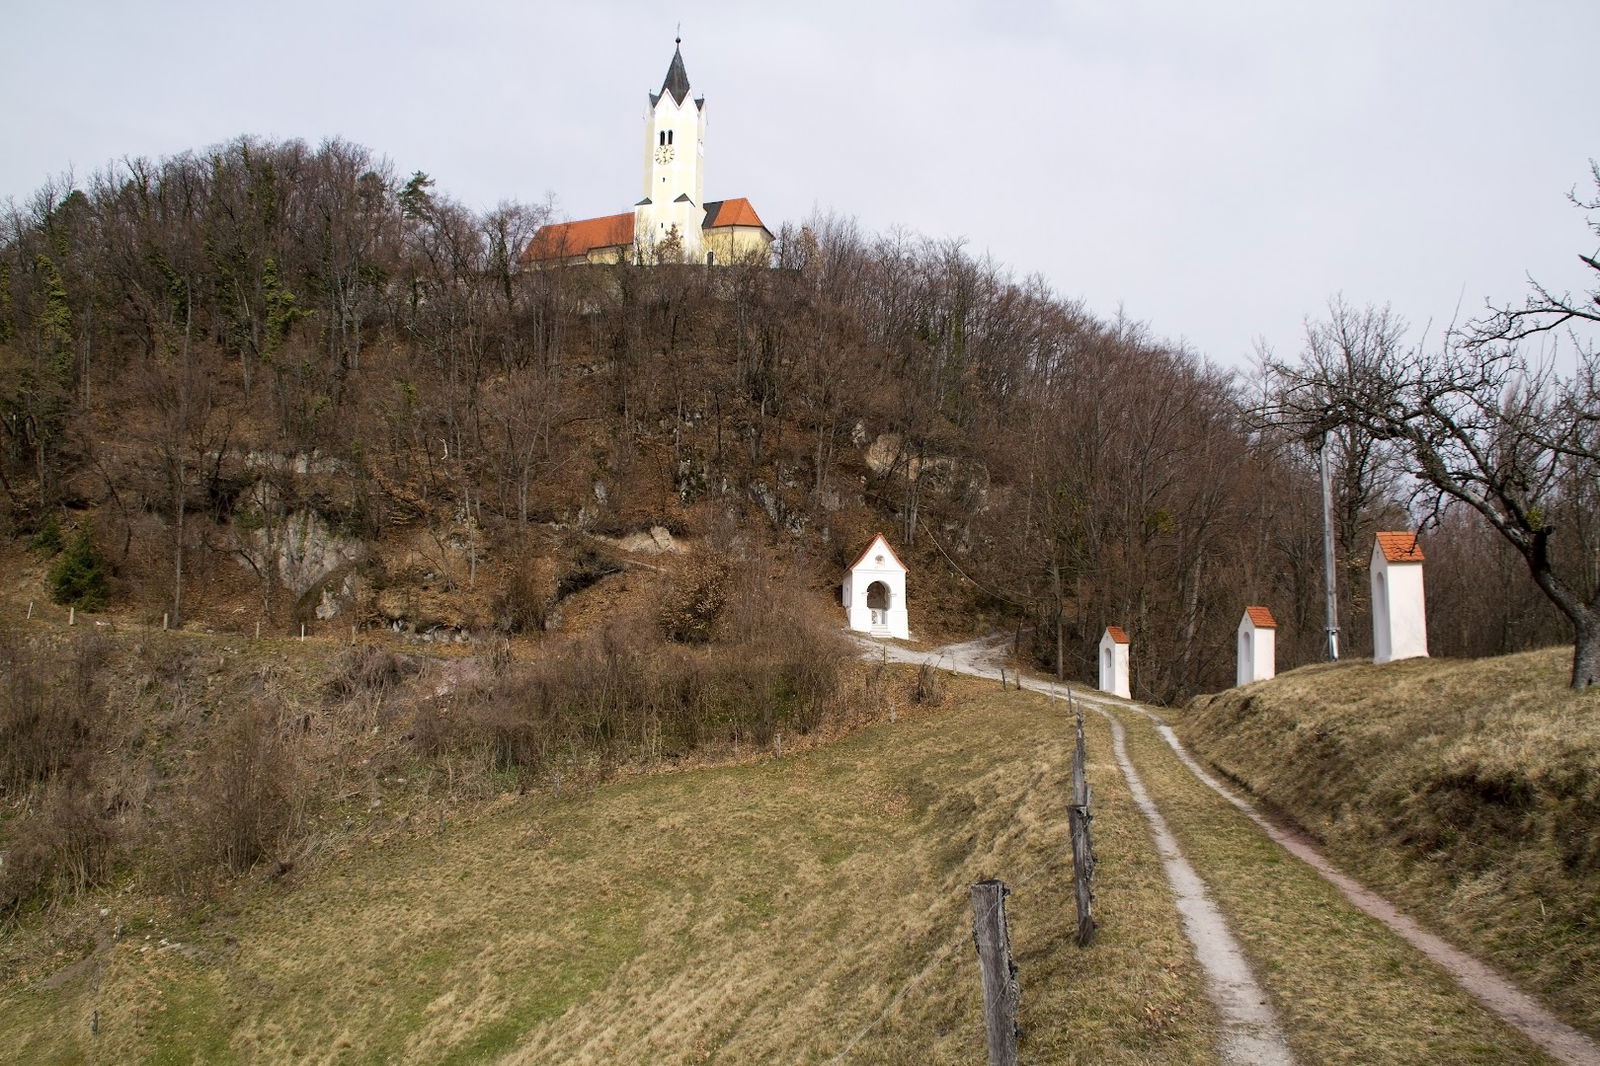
(1485, 426)
(1543, 311)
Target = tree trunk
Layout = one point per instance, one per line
(1585, 655)
(1055, 587)
(177, 557)
(1583, 614)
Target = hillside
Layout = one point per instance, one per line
(764, 910)
(804, 906)
(1469, 792)
(269, 383)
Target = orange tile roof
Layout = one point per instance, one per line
(1261, 618)
(1116, 634)
(736, 212)
(877, 537)
(564, 239)
(1400, 547)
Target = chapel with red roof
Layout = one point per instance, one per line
(673, 222)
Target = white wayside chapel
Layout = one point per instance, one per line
(1399, 615)
(875, 592)
(1114, 662)
(1258, 645)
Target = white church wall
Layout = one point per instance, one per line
(674, 176)
(672, 206)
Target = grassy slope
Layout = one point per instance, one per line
(1346, 989)
(1468, 791)
(767, 911)
(771, 910)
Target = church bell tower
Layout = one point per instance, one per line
(674, 170)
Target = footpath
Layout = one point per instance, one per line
(1252, 1034)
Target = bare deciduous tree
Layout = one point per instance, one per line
(1487, 427)
(1543, 311)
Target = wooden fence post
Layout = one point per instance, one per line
(1079, 817)
(999, 973)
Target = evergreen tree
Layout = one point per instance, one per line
(78, 579)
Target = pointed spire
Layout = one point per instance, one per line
(677, 80)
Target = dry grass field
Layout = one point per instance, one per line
(808, 908)
(775, 910)
(1469, 792)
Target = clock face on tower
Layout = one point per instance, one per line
(664, 154)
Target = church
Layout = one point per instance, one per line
(673, 222)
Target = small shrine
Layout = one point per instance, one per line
(1114, 662)
(1399, 614)
(875, 592)
(1258, 645)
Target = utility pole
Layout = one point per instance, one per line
(1327, 551)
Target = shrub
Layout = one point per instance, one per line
(522, 604)
(49, 715)
(48, 538)
(367, 670)
(691, 607)
(633, 691)
(585, 567)
(929, 688)
(79, 578)
(243, 802)
(54, 734)
(67, 844)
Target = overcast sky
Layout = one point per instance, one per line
(1218, 170)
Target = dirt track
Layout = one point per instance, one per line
(1251, 1037)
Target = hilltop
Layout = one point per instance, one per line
(277, 384)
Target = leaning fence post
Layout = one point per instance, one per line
(1079, 817)
(999, 973)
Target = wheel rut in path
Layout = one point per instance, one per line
(1250, 1031)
